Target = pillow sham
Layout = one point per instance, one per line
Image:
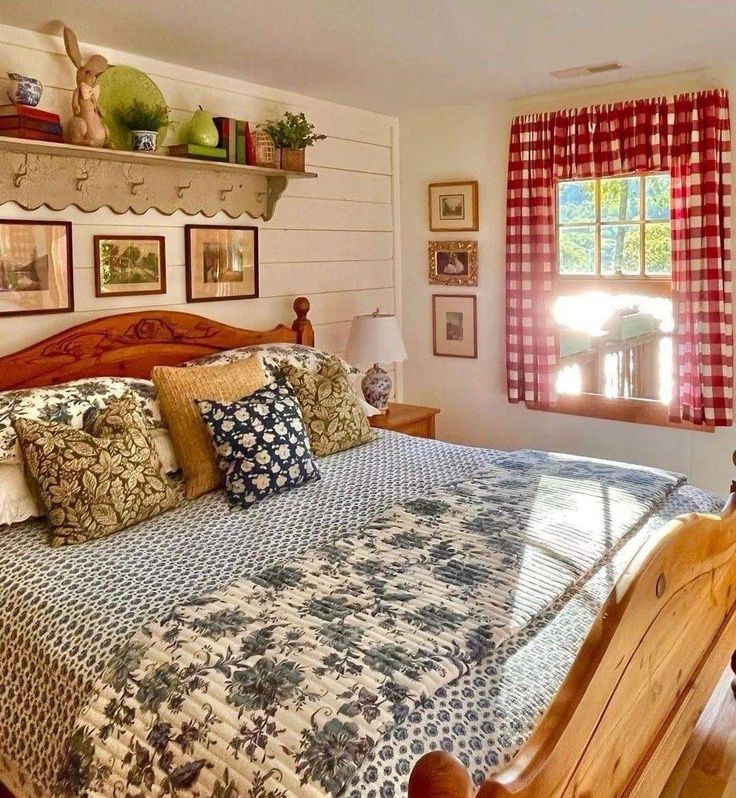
(17, 502)
(261, 442)
(178, 390)
(333, 417)
(273, 355)
(68, 403)
(92, 484)
(299, 355)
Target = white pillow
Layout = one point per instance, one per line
(356, 383)
(17, 502)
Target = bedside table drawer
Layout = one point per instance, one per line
(413, 420)
(419, 429)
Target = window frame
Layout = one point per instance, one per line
(599, 224)
(595, 405)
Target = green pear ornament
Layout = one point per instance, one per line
(202, 129)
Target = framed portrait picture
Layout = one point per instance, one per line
(455, 327)
(221, 262)
(453, 206)
(453, 263)
(130, 265)
(36, 270)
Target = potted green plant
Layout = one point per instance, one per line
(144, 123)
(292, 134)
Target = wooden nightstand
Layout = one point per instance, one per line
(409, 419)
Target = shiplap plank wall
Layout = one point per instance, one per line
(332, 239)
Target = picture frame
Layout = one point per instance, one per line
(454, 325)
(453, 263)
(36, 267)
(221, 262)
(129, 265)
(453, 206)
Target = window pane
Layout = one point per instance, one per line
(615, 345)
(620, 199)
(576, 201)
(658, 197)
(577, 250)
(620, 249)
(657, 249)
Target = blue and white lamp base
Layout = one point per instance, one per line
(376, 387)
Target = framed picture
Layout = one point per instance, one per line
(455, 327)
(130, 265)
(36, 271)
(453, 263)
(221, 262)
(453, 206)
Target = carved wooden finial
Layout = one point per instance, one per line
(302, 326)
(440, 775)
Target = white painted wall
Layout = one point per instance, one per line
(331, 239)
(472, 142)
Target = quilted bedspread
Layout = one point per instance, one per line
(284, 682)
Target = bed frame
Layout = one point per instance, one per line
(652, 659)
(131, 344)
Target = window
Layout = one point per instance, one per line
(613, 302)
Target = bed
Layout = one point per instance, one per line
(548, 700)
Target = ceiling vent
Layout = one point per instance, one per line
(582, 71)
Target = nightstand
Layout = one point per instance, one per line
(409, 419)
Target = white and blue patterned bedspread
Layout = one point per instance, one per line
(64, 611)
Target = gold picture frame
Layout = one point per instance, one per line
(221, 262)
(453, 206)
(453, 263)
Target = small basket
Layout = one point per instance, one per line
(266, 152)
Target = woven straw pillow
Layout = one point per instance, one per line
(178, 390)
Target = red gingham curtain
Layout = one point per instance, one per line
(689, 136)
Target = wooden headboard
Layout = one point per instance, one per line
(131, 344)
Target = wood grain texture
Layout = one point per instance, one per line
(627, 708)
(131, 344)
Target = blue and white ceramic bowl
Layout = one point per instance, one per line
(144, 140)
(24, 90)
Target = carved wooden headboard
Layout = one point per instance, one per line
(131, 344)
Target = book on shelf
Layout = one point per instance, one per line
(35, 135)
(29, 123)
(226, 128)
(236, 140)
(25, 111)
(198, 151)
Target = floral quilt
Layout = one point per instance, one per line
(283, 683)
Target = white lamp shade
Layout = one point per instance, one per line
(375, 339)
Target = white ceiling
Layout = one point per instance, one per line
(398, 55)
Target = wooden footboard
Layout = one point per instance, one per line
(627, 708)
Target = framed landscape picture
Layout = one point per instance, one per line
(130, 265)
(453, 263)
(453, 206)
(221, 262)
(454, 325)
(36, 270)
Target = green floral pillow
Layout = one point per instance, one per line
(332, 414)
(97, 481)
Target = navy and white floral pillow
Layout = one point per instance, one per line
(261, 443)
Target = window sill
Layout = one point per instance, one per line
(634, 411)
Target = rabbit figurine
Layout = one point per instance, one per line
(86, 126)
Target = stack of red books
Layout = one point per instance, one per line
(24, 122)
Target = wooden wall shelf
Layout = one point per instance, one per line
(34, 173)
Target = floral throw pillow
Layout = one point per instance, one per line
(335, 421)
(261, 443)
(69, 403)
(92, 483)
(273, 355)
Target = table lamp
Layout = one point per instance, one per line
(375, 338)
